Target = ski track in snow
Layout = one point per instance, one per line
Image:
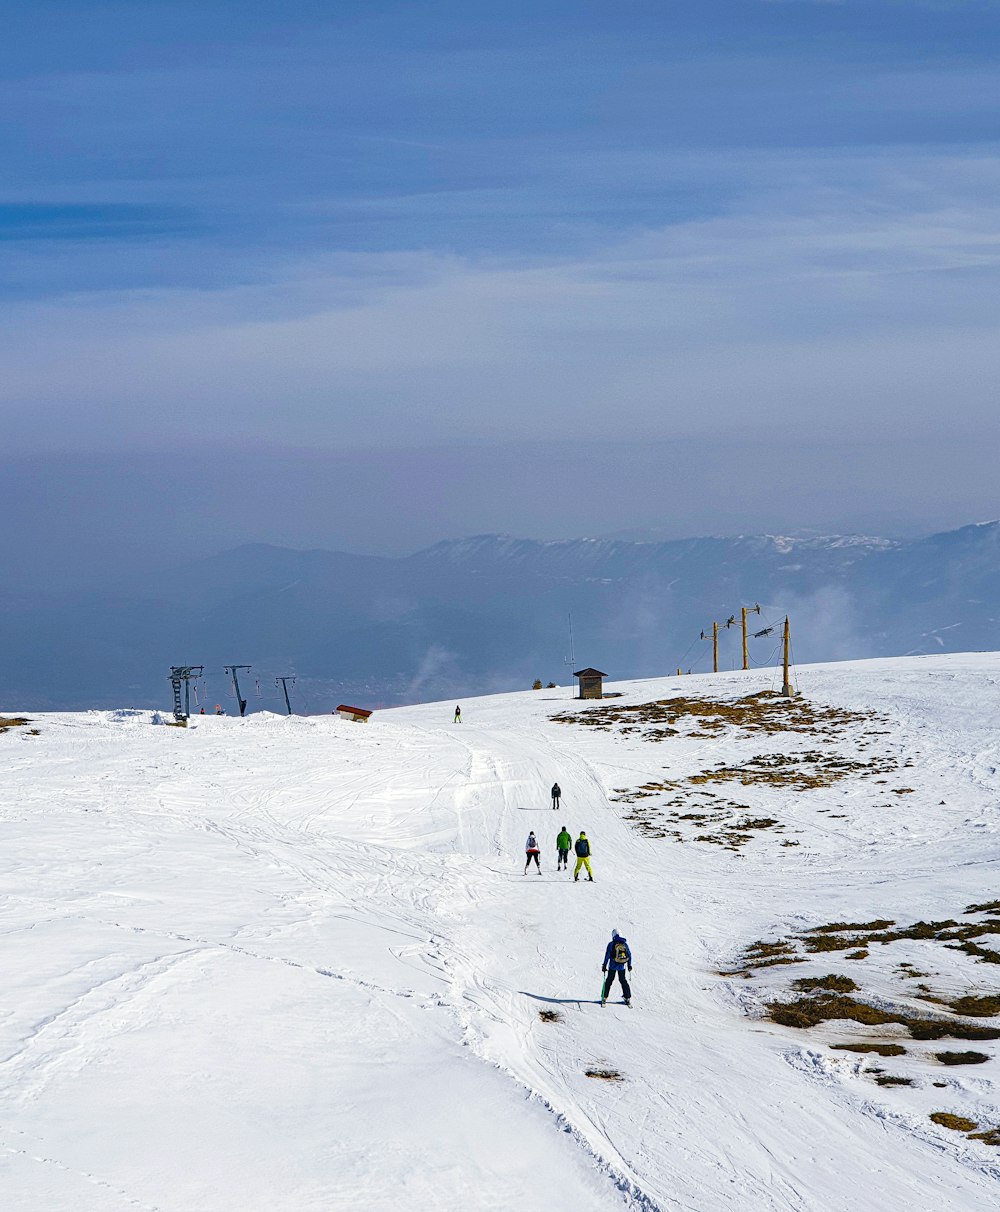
(294, 963)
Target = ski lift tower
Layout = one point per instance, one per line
(233, 670)
(183, 674)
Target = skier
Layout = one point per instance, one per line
(582, 849)
(556, 793)
(616, 958)
(218, 709)
(563, 843)
(531, 852)
(458, 715)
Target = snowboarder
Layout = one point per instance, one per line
(563, 843)
(617, 958)
(531, 852)
(582, 849)
(556, 793)
(458, 715)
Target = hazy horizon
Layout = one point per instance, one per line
(372, 275)
(79, 520)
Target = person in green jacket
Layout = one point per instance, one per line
(563, 843)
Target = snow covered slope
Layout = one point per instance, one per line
(294, 963)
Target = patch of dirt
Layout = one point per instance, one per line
(550, 1016)
(605, 1075)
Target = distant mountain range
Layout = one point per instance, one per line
(490, 613)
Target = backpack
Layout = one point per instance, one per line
(620, 954)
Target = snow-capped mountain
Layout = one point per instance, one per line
(491, 613)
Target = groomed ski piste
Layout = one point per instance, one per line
(294, 963)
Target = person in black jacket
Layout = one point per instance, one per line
(556, 793)
(617, 957)
(582, 849)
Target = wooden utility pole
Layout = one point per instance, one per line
(744, 611)
(746, 654)
(715, 647)
(786, 685)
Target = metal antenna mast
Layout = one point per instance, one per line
(231, 670)
(284, 686)
(179, 674)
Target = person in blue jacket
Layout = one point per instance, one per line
(617, 958)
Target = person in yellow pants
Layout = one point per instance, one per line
(582, 849)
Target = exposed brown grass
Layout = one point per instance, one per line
(810, 1011)
(824, 938)
(851, 927)
(762, 712)
(12, 721)
(550, 1016)
(957, 1123)
(608, 1075)
(990, 1137)
(983, 954)
(879, 1049)
(799, 771)
(976, 1007)
(888, 1079)
(961, 1058)
(835, 984)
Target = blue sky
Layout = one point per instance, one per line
(340, 226)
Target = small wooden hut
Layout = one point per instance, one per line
(591, 683)
(358, 714)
